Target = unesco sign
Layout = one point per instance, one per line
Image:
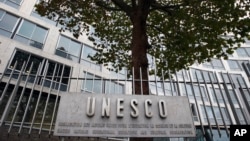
(101, 115)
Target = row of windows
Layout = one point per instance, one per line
(55, 75)
(96, 84)
(22, 30)
(35, 35)
(76, 51)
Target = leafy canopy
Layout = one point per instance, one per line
(179, 32)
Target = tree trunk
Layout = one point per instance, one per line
(139, 48)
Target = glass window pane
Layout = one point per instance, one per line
(217, 64)
(86, 51)
(63, 44)
(241, 52)
(75, 48)
(39, 34)
(27, 29)
(247, 50)
(89, 82)
(233, 65)
(7, 22)
(20, 58)
(97, 85)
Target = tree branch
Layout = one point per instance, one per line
(167, 8)
(123, 6)
(155, 27)
(103, 4)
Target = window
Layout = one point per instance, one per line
(247, 94)
(31, 34)
(201, 75)
(68, 48)
(182, 74)
(233, 96)
(194, 112)
(12, 3)
(187, 90)
(225, 115)
(219, 95)
(96, 84)
(243, 52)
(214, 64)
(238, 80)
(7, 23)
(240, 116)
(25, 31)
(48, 69)
(217, 114)
(234, 65)
(86, 61)
(76, 51)
(200, 91)
(209, 116)
(197, 75)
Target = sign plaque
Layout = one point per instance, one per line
(110, 115)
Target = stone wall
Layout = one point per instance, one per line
(13, 136)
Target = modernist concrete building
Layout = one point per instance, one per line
(38, 63)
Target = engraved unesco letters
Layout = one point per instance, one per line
(106, 108)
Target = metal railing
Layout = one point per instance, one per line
(28, 101)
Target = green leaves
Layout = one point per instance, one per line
(179, 32)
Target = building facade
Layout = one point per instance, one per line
(38, 64)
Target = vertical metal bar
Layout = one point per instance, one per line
(199, 114)
(133, 84)
(185, 86)
(243, 94)
(178, 87)
(141, 81)
(39, 96)
(85, 80)
(47, 101)
(148, 81)
(212, 84)
(8, 82)
(13, 95)
(93, 83)
(218, 103)
(171, 84)
(109, 84)
(77, 79)
(237, 98)
(163, 83)
(57, 96)
(126, 79)
(69, 78)
(20, 98)
(156, 87)
(102, 90)
(231, 104)
(30, 96)
(224, 98)
(203, 102)
(118, 82)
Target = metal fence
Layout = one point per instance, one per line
(30, 95)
